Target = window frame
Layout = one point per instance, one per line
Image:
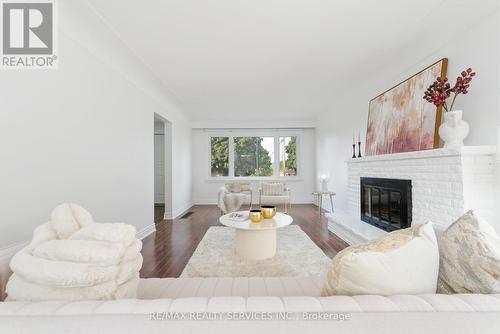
(232, 134)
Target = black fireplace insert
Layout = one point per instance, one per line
(386, 203)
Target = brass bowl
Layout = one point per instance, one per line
(268, 211)
(255, 216)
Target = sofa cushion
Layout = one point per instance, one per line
(470, 257)
(274, 199)
(358, 304)
(401, 262)
(186, 287)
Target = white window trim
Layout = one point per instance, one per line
(275, 176)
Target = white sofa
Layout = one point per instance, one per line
(230, 297)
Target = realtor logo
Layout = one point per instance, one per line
(28, 34)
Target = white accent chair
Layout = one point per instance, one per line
(275, 192)
(233, 195)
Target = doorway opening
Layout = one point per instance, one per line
(162, 168)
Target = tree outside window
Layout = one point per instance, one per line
(219, 156)
(288, 156)
(253, 156)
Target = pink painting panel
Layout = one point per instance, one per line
(400, 120)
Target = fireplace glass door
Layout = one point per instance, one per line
(386, 203)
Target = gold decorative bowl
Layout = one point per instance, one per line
(268, 211)
(255, 216)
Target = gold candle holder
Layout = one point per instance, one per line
(255, 216)
(268, 211)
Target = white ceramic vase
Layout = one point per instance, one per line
(454, 129)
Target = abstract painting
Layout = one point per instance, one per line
(400, 120)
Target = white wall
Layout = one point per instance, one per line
(159, 164)
(477, 47)
(181, 170)
(84, 133)
(205, 189)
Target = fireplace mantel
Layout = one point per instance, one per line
(436, 153)
(445, 184)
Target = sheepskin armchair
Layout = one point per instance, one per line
(241, 187)
(228, 201)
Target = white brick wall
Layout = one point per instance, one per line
(445, 183)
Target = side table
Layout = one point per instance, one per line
(319, 198)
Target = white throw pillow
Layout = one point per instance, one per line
(401, 262)
(470, 257)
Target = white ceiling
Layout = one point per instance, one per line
(238, 60)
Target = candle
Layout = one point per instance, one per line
(353, 140)
(359, 136)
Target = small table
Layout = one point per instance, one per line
(256, 241)
(319, 198)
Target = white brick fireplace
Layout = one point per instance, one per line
(445, 184)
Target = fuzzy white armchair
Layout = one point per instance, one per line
(275, 193)
(243, 188)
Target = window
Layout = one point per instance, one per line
(288, 156)
(219, 163)
(253, 156)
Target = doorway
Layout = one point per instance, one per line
(162, 168)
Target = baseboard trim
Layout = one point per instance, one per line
(177, 213)
(146, 231)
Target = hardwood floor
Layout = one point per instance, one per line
(167, 251)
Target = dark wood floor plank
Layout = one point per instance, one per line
(167, 251)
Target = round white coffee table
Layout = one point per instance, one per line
(256, 241)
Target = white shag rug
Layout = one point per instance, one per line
(296, 255)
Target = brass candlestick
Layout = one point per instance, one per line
(359, 149)
(353, 151)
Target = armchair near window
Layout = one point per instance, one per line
(275, 193)
(233, 195)
(241, 187)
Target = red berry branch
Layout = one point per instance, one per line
(440, 90)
